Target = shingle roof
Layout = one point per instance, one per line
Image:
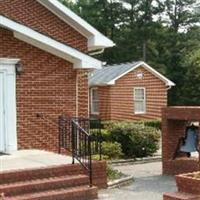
(110, 73)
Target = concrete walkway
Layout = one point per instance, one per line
(26, 159)
(149, 183)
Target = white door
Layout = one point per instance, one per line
(8, 132)
(2, 118)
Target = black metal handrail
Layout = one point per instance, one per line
(82, 137)
(81, 148)
(91, 126)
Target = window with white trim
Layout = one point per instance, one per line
(94, 101)
(139, 100)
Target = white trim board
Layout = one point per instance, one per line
(144, 100)
(30, 36)
(9, 61)
(91, 101)
(96, 40)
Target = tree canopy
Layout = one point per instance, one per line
(164, 33)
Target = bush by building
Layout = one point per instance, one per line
(137, 139)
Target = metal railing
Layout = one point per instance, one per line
(82, 137)
(81, 148)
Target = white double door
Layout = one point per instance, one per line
(8, 133)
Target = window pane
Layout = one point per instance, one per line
(139, 93)
(95, 107)
(95, 95)
(139, 106)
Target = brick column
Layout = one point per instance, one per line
(82, 93)
(174, 121)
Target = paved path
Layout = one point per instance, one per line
(149, 183)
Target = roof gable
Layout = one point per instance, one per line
(111, 73)
(28, 35)
(96, 40)
(37, 17)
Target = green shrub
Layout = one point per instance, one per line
(136, 139)
(153, 123)
(112, 149)
(97, 157)
(106, 135)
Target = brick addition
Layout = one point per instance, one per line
(116, 102)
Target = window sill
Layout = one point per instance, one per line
(140, 113)
(94, 113)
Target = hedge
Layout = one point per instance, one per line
(136, 139)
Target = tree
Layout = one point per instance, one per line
(189, 89)
(164, 33)
(141, 22)
(181, 13)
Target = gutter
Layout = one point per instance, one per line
(169, 87)
(97, 52)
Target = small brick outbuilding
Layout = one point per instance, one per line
(128, 91)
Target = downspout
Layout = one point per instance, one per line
(89, 101)
(169, 87)
(77, 88)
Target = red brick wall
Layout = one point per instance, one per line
(48, 86)
(188, 188)
(34, 15)
(116, 102)
(83, 93)
(105, 102)
(188, 183)
(174, 121)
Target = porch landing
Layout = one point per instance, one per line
(28, 159)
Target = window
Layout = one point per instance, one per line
(94, 101)
(139, 100)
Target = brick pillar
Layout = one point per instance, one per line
(82, 95)
(174, 121)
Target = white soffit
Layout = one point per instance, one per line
(96, 40)
(28, 35)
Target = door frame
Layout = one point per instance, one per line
(10, 109)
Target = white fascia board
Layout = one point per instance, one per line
(99, 42)
(21, 32)
(112, 82)
(96, 39)
(158, 75)
(148, 68)
(99, 85)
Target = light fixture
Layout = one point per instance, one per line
(19, 68)
(140, 75)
